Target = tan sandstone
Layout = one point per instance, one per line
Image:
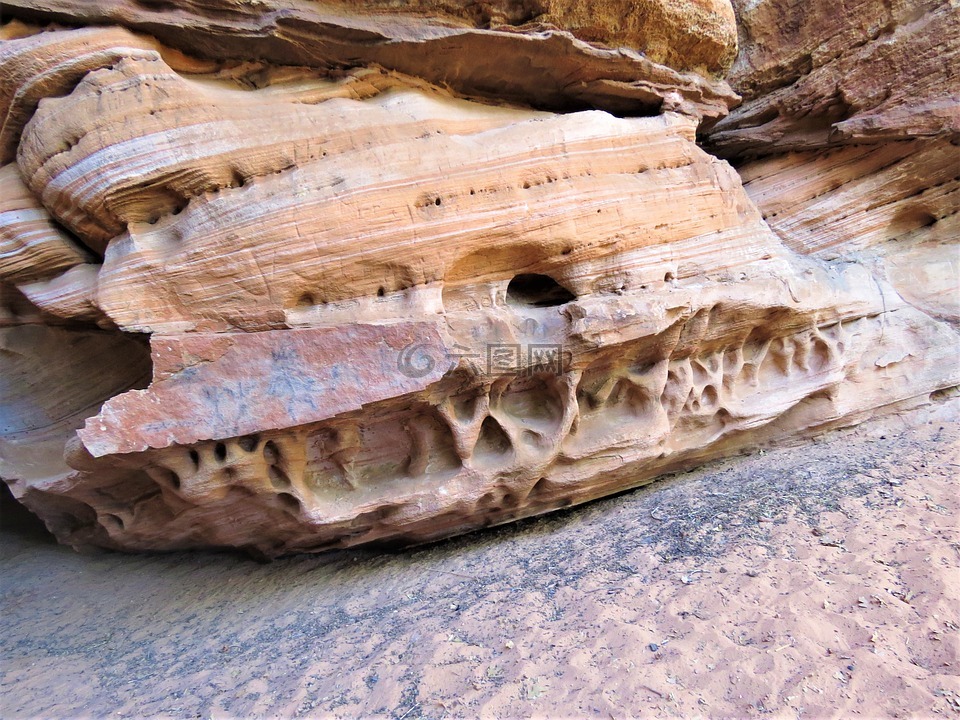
(325, 275)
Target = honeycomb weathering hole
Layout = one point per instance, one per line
(493, 441)
(534, 290)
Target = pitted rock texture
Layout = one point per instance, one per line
(258, 296)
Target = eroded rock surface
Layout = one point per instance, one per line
(625, 57)
(811, 75)
(847, 139)
(397, 283)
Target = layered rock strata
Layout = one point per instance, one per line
(811, 76)
(625, 57)
(847, 139)
(318, 297)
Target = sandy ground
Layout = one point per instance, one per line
(817, 581)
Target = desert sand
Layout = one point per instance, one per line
(817, 581)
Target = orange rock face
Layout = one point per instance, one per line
(302, 276)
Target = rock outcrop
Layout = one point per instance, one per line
(297, 276)
(847, 139)
(811, 76)
(621, 56)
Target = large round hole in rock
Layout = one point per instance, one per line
(535, 290)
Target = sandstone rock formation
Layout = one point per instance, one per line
(296, 276)
(847, 139)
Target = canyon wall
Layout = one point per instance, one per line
(297, 276)
(847, 137)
